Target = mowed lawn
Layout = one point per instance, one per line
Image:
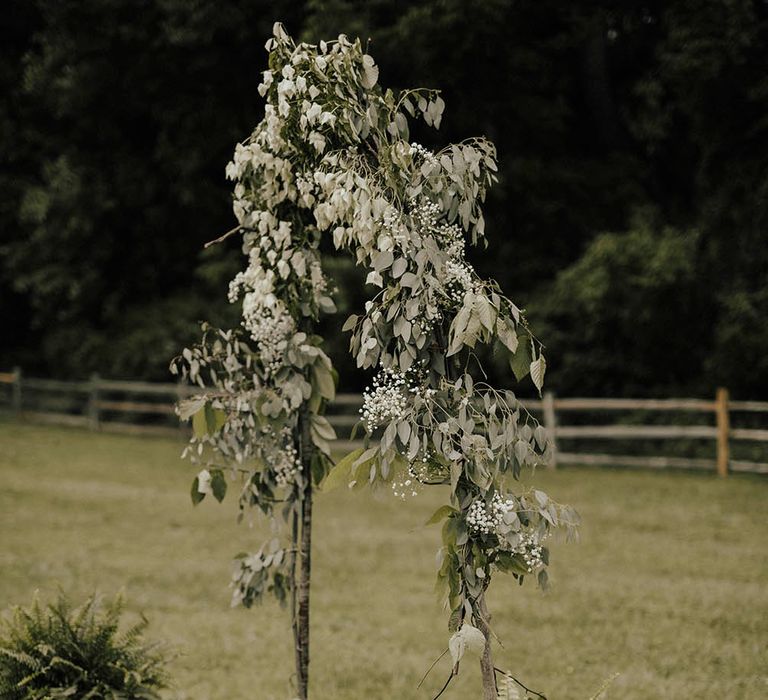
(668, 587)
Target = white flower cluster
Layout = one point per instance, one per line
(458, 276)
(286, 463)
(418, 474)
(427, 215)
(405, 487)
(531, 551)
(395, 231)
(485, 519)
(418, 151)
(385, 400)
(459, 279)
(271, 327)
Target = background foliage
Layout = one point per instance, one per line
(629, 215)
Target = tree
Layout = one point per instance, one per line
(607, 316)
(331, 163)
(110, 179)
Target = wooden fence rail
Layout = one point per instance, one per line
(100, 404)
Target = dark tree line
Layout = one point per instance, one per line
(630, 215)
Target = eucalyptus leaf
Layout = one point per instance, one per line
(340, 473)
(218, 485)
(520, 362)
(466, 638)
(195, 492)
(537, 368)
(441, 513)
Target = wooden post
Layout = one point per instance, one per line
(179, 397)
(16, 391)
(550, 423)
(306, 449)
(723, 428)
(93, 403)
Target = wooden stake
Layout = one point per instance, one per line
(305, 559)
(723, 429)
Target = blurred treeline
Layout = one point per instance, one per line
(629, 219)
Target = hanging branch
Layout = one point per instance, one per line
(432, 665)
(445, 687)
(223, 237)
(524, 687)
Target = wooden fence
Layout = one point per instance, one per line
(101, 404)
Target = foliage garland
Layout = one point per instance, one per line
(332, 159)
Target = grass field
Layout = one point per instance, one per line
(668, 587)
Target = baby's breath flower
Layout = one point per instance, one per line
(487, 519)
(385, 400)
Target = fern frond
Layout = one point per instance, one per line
(57, 652)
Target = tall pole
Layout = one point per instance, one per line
(305, 556)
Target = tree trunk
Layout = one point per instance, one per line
(294, 590)
(305, 560)
(482, 621)
(304, 578)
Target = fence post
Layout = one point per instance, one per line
(16, 391)
(550, 423)
(723, 428)
(93, 403)
(179, 396)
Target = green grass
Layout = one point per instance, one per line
(667, 588)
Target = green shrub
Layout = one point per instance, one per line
(57, 651)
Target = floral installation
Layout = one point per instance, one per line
(333, 159)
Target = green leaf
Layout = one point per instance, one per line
(520, 362)
(439, 514)
(188, 407)
(214, 419)
(370, 72)
(199, 423)
(208, 420)
(399, 267)
(195, 493)
(322, 427)
(315, 402)
(543, 580)
(340, 472)
(319, 465)
(218, 485)
(350, 323)
(506, 333)
(382, 259)
(467, 638)
(322, 379)
(537, 368)
(486, 313)
(455, 619)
